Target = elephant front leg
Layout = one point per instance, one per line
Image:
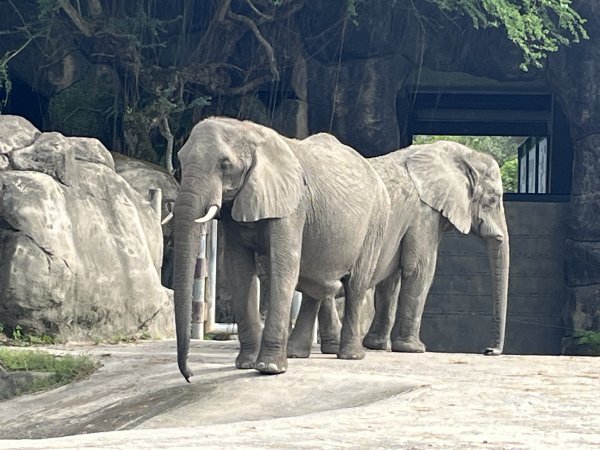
(285, 242)
(418, 269)
(386, 300)
(407, 327)
(240, 270)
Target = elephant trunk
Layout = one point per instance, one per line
(186, 234)
(499, 255)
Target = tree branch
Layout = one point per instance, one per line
(95, 8)
(165, 131)
(266, 45)
(80, 22)
(257, 11)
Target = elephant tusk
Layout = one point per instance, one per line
(167, 219)
(212, 212)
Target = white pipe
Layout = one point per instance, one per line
(211, 325)
(167, 219)
(199, 289)
(296, 302)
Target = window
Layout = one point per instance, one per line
(533, 166)
(530, 125)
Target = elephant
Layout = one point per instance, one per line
(313, 209)
(433, 188)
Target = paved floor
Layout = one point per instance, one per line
(388, 400)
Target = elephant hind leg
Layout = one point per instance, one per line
(329, 327)
(386, 299)
(355, 288)
(300, 340)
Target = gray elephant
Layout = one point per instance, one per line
(432, 187)
(314, 208)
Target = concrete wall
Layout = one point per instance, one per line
(458, 313)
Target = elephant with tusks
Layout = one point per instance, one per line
(314, 209)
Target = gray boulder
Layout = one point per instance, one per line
(80, 248)
(143, 176)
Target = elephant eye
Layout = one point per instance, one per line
(226, 165)
(493, 200)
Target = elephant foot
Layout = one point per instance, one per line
(492, 351)
(351, 352)
(374, 342)
(408, 346)
(330, 347)
(246, 359)
(271, 365)
(298, 350)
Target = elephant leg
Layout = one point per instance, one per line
(285, 245)
(386, 300)
(418, 268)
(240, 268)
(300, 341)
(350, 341)
(329, 327)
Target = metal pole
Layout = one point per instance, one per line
(296, 302)
(198, 292)
(155, 197)
(211, 325)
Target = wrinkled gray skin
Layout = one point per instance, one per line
(314, 209)
(432, 187)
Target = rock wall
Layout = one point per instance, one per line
(143, 176)
(573, 75)
(80, 249)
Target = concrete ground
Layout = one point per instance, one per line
(138, 399)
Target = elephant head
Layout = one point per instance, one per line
(243, 168)
(465, 186)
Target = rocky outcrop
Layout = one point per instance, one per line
(143, 176)
(80, 248)
(573, 75)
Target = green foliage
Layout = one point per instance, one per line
(122, 338)
(47, 8)
(171, 61)
(86, 107)
(5, 83)
(583, 337)
(351, 12)
(20, 337)
(537, 27)
(503, 148)
(510, 175)
(63, 369)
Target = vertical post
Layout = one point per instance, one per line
(198, 292)
(212, 273)
(155, 197)
(211, 325)
(296, 302)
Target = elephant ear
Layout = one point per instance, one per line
(275, 183)
(444, 180)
